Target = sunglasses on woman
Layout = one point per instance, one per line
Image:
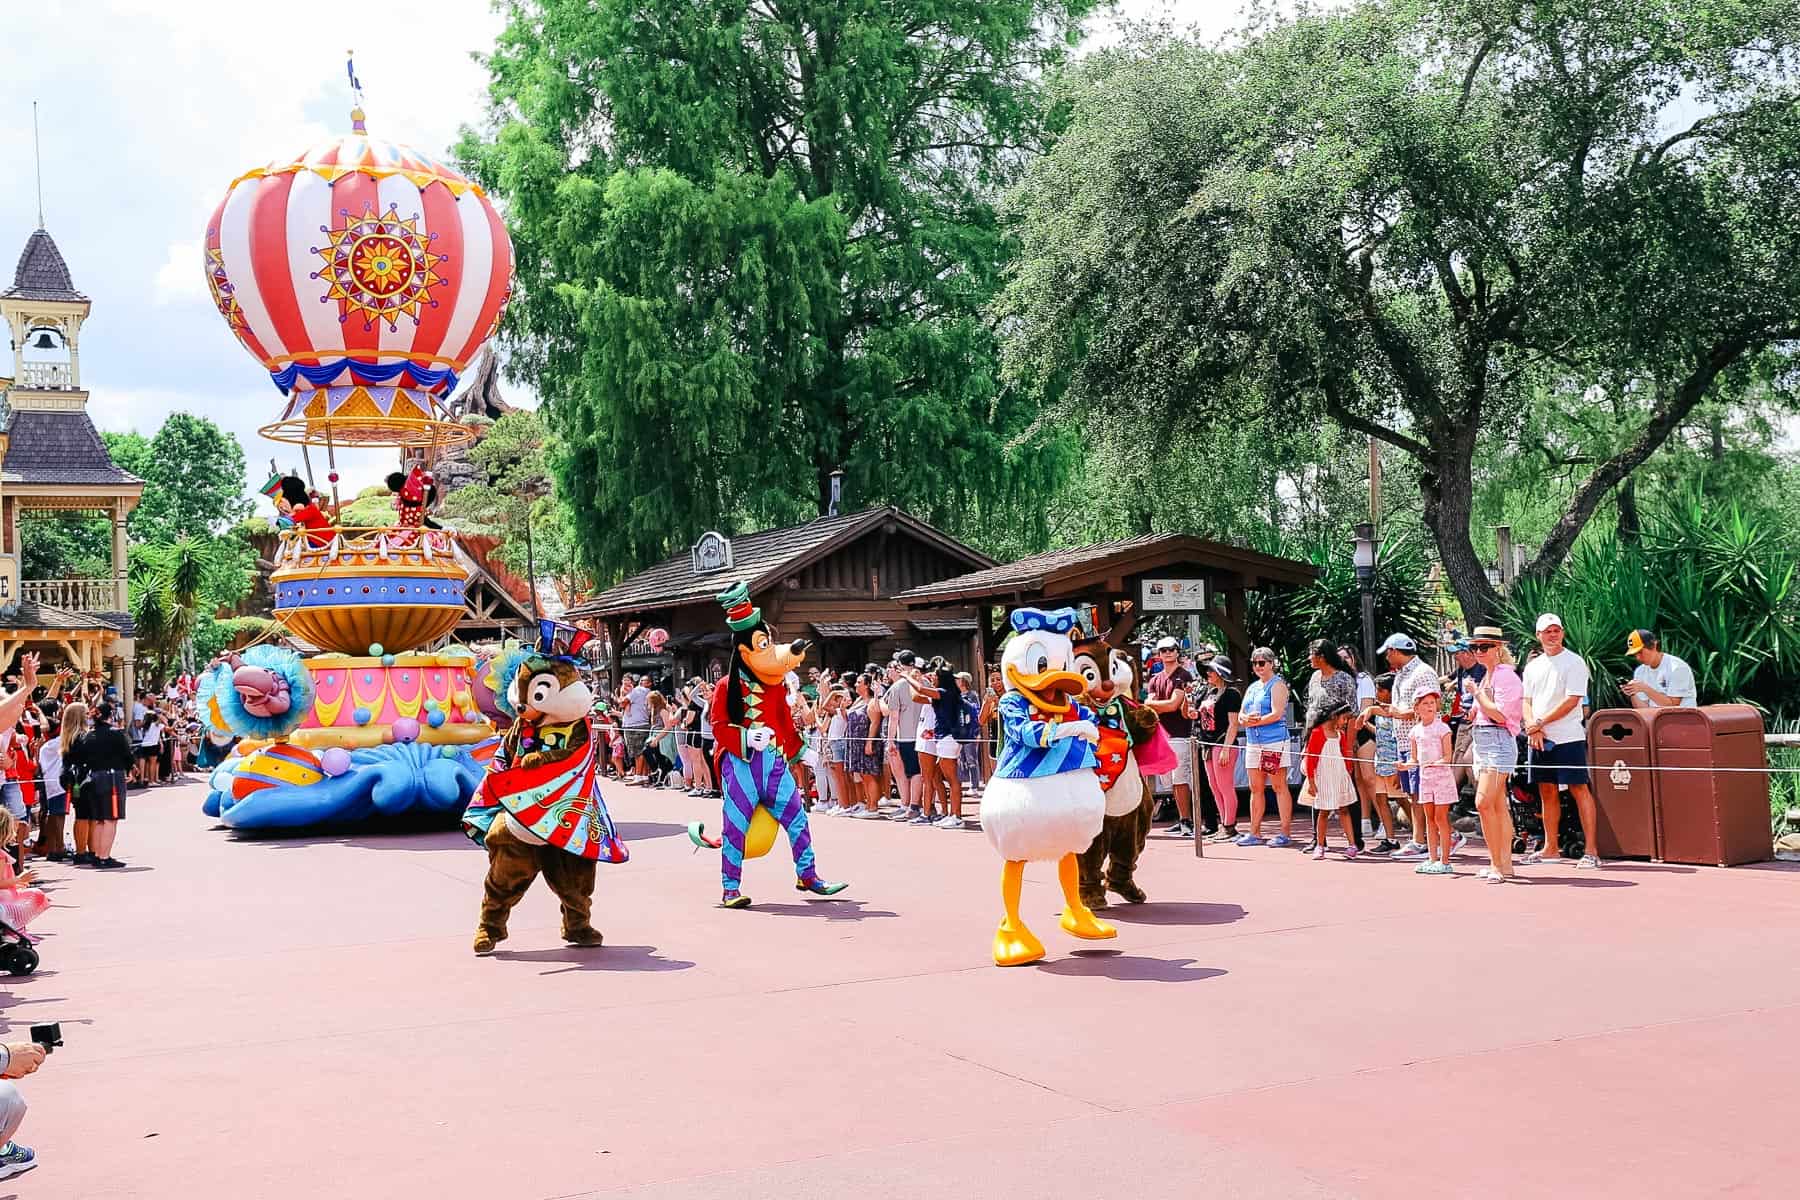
(1261, 662)
(1483, 647)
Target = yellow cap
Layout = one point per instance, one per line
(1639, 640)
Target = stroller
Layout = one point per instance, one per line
(1528, 811)
(18, 950)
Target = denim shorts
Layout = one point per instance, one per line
(1494, 749)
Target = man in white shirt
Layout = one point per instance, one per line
(1661, 680)
(1556, 686)
(1413, 677)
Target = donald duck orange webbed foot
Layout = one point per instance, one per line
(1077, 918)
(1014, 945)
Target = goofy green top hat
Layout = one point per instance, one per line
(740, 614)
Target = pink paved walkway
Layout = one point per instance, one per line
(304, 1019)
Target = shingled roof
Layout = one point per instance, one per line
(1054, 570)
(55, 446)
(42, 274)
(29, 614)
(760, 560)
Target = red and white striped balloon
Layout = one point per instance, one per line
(359, 264)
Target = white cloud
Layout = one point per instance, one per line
(181, 279)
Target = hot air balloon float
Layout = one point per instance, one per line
(363, 276)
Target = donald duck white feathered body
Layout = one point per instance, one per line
(1044, 801)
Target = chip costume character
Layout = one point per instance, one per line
(1111, 859)
(1044, 802)
(539, 809)
(756, 743)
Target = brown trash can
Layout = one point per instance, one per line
(1620, 751)
(1712, 817)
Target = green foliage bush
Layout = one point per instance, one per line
(1331, 606)
(1719, 584)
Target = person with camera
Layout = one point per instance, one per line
(17, 1060)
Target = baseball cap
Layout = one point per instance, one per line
(1397, 641)
(1639, 639)
(1167, 643)
(1547, 620)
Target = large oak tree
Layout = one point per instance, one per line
(1409, 217)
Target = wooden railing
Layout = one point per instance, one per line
(73, 595)
(365, 546)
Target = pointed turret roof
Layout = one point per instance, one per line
(42, 274)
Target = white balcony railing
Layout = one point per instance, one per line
(74, 595)
(46, 375)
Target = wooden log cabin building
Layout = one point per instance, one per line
(832, 581)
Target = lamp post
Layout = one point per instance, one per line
(1364, 558)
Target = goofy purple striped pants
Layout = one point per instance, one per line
(764, 779)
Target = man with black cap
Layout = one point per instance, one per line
(1661, 680)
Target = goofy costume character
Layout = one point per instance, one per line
(756, 746)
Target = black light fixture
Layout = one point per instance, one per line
(837, 492)
(1364, 559)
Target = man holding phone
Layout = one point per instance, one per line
(17, 1060)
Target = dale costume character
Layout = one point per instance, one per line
(539, 810)
(1124, 725)
(1044, 802)
(756, 743)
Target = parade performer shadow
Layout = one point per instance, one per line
(756, 746)
(539, 811)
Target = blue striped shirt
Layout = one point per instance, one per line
(1027, 750)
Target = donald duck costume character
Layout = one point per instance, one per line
(757, 743)
(1044, 801)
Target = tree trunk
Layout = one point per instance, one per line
(1447, 485)
(1629, 524)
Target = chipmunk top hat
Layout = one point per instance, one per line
(740, 614)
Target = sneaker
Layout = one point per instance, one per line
(1318, 854)
(16, 1160)
(904, 813)
(85, 859)
(1384, 846)
(1589, 862)
(1176, 828)
(920, 817)
(1350, 852)
(865, 814)
(1248, 839)
(1458, 842)
(1281, 841)
(1409, 851)
(948, 822)
(109, 864)
(1183, 829)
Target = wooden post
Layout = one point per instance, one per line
(615, 636)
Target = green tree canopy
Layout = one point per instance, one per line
(193, 475)
(1409, 217)
(756, 241)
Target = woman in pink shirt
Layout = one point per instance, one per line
(1494, 747)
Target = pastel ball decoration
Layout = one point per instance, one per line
(434, 719)
(406, 729)
(387, 660)
(335, 761)
(376, 650)
(446, 751)
(362, 716)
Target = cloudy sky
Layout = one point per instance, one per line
(149, 108)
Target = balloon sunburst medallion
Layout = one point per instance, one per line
(379, 267)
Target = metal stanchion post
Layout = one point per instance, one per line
(1196, 768)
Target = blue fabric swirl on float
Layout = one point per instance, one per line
(399, 779)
